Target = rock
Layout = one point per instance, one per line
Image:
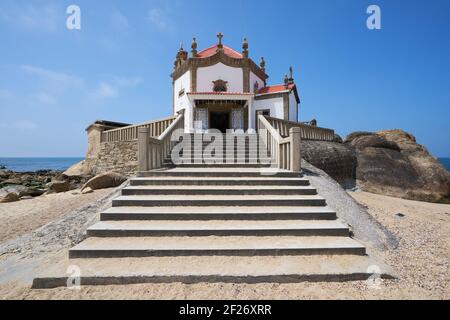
(21, 191)
(338, 138)
(105, 180)
(5, 174)
(6, 196)
(392, 163)
(79, 169)
(336, 159)
(26, 198)
(87, 190)
(357, 134)
(400, 215)
(13, 181)
(374, 141)
(58, 186)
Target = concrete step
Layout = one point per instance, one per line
(219, 246)
(166, 228)
(212, 269)
(220, 181)
(222, 165)
(219, 190)
(218, 172)
(219, 200)
(217, 213)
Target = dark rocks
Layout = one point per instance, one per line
(105, 180)
(336, 159)
(392, 163)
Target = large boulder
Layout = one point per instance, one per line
(6, 196)
(105, 180)
(392, 163)
(58, 186)
(336, 159)
(79, 169)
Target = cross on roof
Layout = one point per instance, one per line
(220, 36)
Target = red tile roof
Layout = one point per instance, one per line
(276, 88)
(221, 93)
(212, 50)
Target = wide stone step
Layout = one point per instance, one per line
(217, 228)
(213, 269)
(219, 172)
(219, 246)
(223, 165)
(217, 213)
(219, 190)
(220, 181)
(219, 200)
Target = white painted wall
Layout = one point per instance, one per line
(183, 82)
(275, 105)
(293, 107)
(253, 78)
(206, 76)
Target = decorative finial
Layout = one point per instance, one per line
(194, 47)
(181, 46)
(245, 47)
(220, 36)
(286, 80)
(291, 77)
(262, 64)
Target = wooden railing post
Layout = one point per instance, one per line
(295, 154)
(143, 145)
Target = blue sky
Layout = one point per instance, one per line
(54, 82)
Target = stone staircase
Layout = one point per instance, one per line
(226, 223)
(235, 150)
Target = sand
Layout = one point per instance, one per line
(19, 218)
(421, 261)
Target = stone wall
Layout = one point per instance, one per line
(120, 156)
(336, 159)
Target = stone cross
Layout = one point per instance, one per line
(220, 36)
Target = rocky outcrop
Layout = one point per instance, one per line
(104, 180)
(58, 186)
(392, 163)
(79, 169)
(8, 196)
(336, 159)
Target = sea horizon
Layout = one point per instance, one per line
(32, 164)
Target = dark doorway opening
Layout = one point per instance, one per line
(220, 121)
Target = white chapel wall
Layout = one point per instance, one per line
(182, 102)
(275, 105)
(254, 78)
(206, 76)
(293, 107)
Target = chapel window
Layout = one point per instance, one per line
(220, 86)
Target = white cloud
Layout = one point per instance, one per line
(160, 20)
(33, 17)
(106, 90)
(24, 125)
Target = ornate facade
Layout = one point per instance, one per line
(224, 89)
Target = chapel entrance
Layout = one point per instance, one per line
(220, 121)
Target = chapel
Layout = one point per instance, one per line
(224, 89)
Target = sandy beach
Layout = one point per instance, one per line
(421, 260)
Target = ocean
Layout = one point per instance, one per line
(36, 164)
(62, 164)
(445, 162)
